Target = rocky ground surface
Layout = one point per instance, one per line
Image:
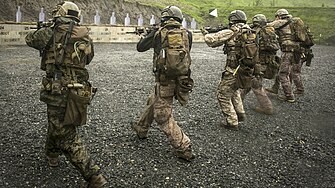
(292, 148)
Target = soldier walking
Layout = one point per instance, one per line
(268, 64)
(66, 49)
(238, 71)
(172, 44)
(291, 57)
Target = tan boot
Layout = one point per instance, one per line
(96, 181)
(241, 117)
(272, 90)
(140, 134)
(289, 99)
(185, 154)
(264, 111)
(227, 125)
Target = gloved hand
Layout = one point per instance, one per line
(204, 31)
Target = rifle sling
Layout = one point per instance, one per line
(284, 25)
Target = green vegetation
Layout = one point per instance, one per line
(319, 15)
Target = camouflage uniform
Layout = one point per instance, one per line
(228, 94)
(160, 108)
(290, 60)
(69, 90)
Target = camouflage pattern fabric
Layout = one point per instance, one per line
(291, 62)
(284, 73)
(228, 95)
(229, 99)
(61, 138)
(177, 138)
(296, 76)
(259, 91)
(64, 139)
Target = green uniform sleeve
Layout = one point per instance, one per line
(40, 38)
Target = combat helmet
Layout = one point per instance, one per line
(237, 16)
(259, 19)
(67, 9)
(281, 13)
(172, 12)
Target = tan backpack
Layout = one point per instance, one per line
(301, 32)
(174, 59)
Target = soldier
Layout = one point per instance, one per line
(239, 67)
(172, 44)
(291, 57)
(66, 49)
(267, 66)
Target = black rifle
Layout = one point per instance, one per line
(216, 29)
(145, 30)
(41, 24)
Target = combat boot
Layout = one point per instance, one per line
(96, 181)
(53, 161)
(289, 99)
(227, 125)
(185, 154)
(261, 110)
(140, 134)
(241, 117)
(298, 92)
(273, 90)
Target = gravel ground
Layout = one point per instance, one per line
(292, 148)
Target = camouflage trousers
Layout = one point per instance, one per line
(284, 73)
(162, 114)
(290, 71)
(259, 91)
(296, 76)
(64, 139)
(229, 98)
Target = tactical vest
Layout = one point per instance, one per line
(242, 47)
(78, 53)
(286, 39)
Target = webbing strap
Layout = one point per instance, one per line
(284, 25)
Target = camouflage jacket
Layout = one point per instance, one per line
(285, 35)
(227, 37)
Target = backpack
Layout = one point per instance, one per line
(174, 59)
(301, 32)
(248, 49)
(247, 41)
(267, 39)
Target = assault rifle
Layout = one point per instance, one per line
(41, 24)
(143, 30)
(216, 29)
